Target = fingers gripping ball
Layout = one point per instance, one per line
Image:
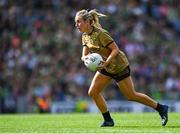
(92, 61)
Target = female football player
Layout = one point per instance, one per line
(115, 66)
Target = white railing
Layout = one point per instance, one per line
(114, 106)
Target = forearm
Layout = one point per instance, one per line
(112, 55)
(85, 52)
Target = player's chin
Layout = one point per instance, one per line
(79, 30)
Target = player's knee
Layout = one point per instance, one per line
(92, 93)
(132, 97)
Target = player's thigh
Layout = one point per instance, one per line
(126, 86)
(99, 82)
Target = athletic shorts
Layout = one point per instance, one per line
(117, 77)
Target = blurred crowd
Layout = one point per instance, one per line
(40, 50)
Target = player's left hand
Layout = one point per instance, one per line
(102, 65)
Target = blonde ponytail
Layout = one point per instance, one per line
(92, 16)
(96, 17)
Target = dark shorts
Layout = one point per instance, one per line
(118, 77)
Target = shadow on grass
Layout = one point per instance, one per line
(148, 126)
(173, 126)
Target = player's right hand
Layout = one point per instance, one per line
(83, 58)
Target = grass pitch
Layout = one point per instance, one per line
(87, 123)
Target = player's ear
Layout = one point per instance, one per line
(91, 22)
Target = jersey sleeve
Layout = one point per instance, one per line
(105, 39)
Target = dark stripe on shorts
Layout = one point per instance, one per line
(118, 77)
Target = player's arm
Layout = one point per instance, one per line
(107, 41)
(85, 52)
(114, 51)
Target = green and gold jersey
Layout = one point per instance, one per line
(98, 42)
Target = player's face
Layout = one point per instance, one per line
(80, 24)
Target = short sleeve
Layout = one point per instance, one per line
(105, 39)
